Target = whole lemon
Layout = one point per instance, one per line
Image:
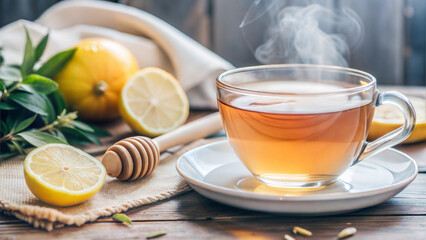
(91, 82)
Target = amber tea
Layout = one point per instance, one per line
(300, 125)
(291, 139)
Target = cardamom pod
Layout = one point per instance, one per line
(302, 231)
(347, 232)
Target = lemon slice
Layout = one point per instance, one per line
(388, 118)
(62, 175)
(152, 102)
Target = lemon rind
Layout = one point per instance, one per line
(143, 128)
(94, 187)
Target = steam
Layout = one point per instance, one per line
(312, 34)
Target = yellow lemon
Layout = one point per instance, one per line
(62, 175)
(153, 102)
(388, 118)
(92, 80)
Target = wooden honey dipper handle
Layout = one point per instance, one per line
(194, 130)
(135, 157)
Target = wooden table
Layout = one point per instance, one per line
(191, 216)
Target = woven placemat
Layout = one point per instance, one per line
(114, 197)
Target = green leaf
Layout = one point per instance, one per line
(29, 56)
(59, 134)
(73, 136)
(155, 235)
(55, 64)
(3, 127)
(38, 139)
(2, 86)
(11, 120)
(82, 126)
(4, 156)
(26, 88)
(100, 133)
(51, 115)
(18, 147)
(16, 66)
(91, 137)
(24, 124)
(77, 140)
(40, 47)
(122, 218)
(6, 106)
(33, 102)
(9, 74)
(58, 101)
(40, 84)
(77, 133)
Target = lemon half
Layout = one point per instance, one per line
(388, 118)
(62, 175)
(153, 102)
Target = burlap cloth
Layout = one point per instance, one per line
(114, 197)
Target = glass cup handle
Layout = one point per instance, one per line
(399, 134)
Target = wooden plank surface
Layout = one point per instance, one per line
(191, 216)
(376, 227)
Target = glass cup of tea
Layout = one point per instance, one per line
(300, 125)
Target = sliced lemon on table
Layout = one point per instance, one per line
(63, 175)
(388, 118)
(152, 102)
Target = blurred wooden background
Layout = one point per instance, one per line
(393, 49)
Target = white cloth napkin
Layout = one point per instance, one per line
(152, 41)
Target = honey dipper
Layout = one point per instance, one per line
(135, 157)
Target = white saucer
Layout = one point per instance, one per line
(213, 170)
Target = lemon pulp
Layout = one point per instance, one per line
(62, 175)
(152, 102)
